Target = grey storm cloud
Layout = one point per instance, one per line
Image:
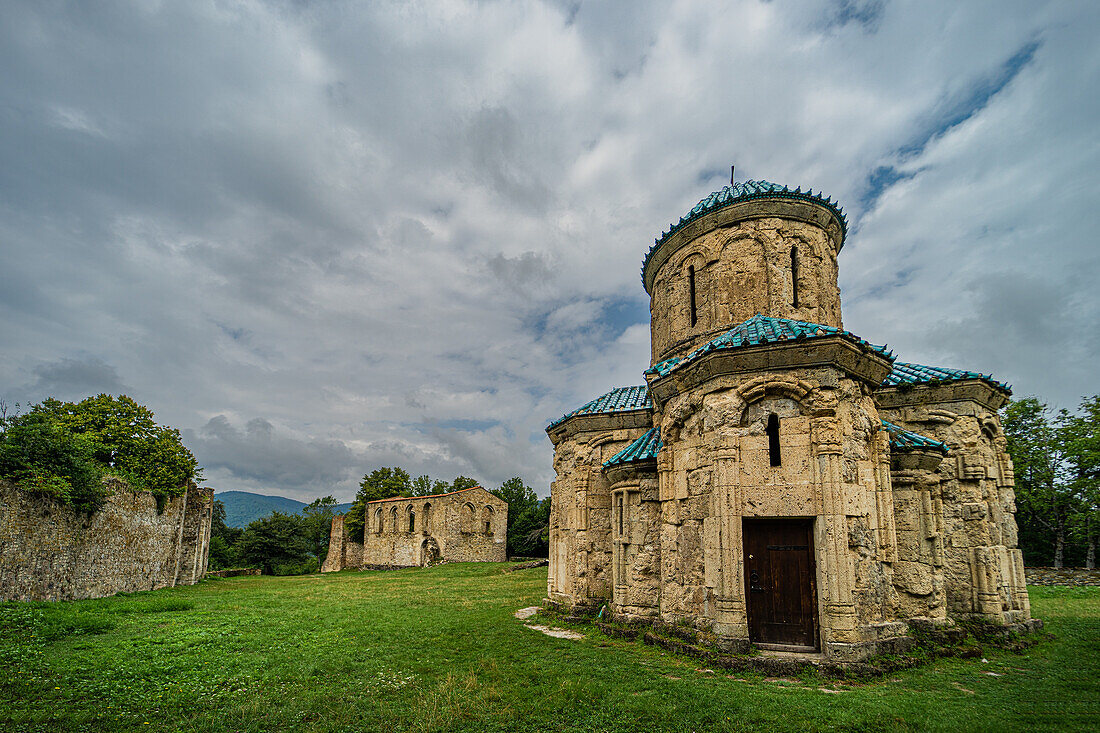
(267, 457)
(410, 233)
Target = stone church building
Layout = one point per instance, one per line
(778, 481)
(470, 525)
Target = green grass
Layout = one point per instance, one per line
(438, 649)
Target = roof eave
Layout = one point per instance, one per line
(835, 350)
(985, 392)
(599, 422)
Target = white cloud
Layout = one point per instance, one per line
(408, 233)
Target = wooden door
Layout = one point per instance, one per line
(779, 581)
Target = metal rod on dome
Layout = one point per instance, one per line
(731, 174)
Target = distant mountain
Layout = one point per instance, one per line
(243, 507)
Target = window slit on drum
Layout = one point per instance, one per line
(691, 289)
(794, 276)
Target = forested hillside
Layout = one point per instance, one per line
(243, 507)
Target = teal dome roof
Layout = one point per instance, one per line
(746, 191)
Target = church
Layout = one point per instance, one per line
(778, 482)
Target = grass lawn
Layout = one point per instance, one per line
(438, 649)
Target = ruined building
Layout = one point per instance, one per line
(778, 480)
(470, 525)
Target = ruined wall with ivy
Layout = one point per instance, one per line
(50, 551)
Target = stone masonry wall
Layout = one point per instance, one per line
(580, 515)
(49, 551)
(973, 493)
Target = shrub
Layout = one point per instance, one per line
(42, 456)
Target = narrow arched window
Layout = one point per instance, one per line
(794, 276)
(412, 520)
(393, 520)
(773, 440)
(428, 517)
(691, 294)
(378, 521)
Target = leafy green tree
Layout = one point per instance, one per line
(528, 519)
(1045, 496)
(1080, 441)
(426, 486)
(532, 531)
(124, 437)
(317, 524)
(44, 456)
(224, 552)
(382, 483)
(463, 482)
(277, 544)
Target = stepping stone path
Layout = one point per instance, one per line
(526, 613)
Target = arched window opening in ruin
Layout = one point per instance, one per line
(428, 517)
(468, 518)
(487, 519)
(794, 276)
(378, 521)
(393, 520)
(773, 440)
(691, 289)
(412, 520)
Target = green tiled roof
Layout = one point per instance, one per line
(620, 399)
(904, 373)
(763, 330)
(643, 449)
(903, 440)
(746, 191)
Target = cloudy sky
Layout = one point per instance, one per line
(324, 237)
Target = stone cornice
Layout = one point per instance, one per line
(630, 471)
(966, 390)
(917, 459)
(835, 351)
(600, 423)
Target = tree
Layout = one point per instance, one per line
(41, 455)
(528, 519)
(463, 482)
(1046, 497)
(382, 483)
(223, 540)
(1080, 442)
(426, 486)
(124, 437)
(276, 543)
(317, 523)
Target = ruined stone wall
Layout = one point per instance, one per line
(49, 551)
(580, 511)
(741, 270)
(973, 490)
(465, 526)
(342, 552)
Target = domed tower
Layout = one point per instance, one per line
(750, 248)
